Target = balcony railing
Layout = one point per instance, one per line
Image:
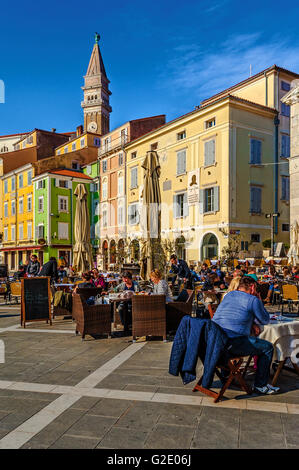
(115, 144)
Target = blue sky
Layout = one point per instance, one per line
(162, 57)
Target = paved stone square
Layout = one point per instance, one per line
(59, 392)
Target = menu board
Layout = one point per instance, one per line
(36, 299)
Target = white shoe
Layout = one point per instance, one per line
(266, 390)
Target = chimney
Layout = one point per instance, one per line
(79, 130)
(53, 129)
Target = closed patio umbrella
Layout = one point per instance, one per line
(151, 213)
(82, 249)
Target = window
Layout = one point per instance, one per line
(13, 183)
(120, 215)
(255, 237)
(105, 189)
(5, 187)
(13, 232)
(104, 166)
(285, 188)
(244, 246)
(210, 123)
(120, 159)
(21, 232)
(13, 207)
(65, 150)
(63, 231)
(285, 146)
(97, 142)
(124, 136)
(4, 149)
(73, 146)
(181, 135)
(120, 185)
(75, 165)
(24, 144)
(62, 204)
(21, 205)
(209, 153)
(255, 152)
(209, 200)
(29, 203)
(180, 205)
(29, 230)
(107, 144)
(5, 234)
(133, 214)
(58, 152)
(285, 110)
(82, 142)
(40, 231)
(29, 177)
(40, 184)
(105, 216)
(6, 209)
(40, 204)
(30, 139)
(285, 86)
(133, 155)
(255, 200)
(20, 181)
(285, 227)
(181, 162)
(63, 184)
(134, 177)
(96, 207)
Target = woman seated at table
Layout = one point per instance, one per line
(87, 281)
(252, 273)
(161, 286)
(98, 279)
(125, 308)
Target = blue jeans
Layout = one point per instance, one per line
(252, 346)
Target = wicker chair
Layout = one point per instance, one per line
(148, 316)
(175, 311)
(85, 293)
(91, 319)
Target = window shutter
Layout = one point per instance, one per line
(252, 150)
(258, 151)
(175, 211)
(201, 201)
(185, 206)
(216, 198)
(209, 152)
(287, 189)
(288, 153)
(36, 232)
(252, 199)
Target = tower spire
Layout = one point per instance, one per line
(96, 106)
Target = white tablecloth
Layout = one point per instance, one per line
(284, 336)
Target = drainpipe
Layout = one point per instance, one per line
(266, 89)
(276, 140)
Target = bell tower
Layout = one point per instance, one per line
(96, 106)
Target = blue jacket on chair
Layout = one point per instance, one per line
(197, 338)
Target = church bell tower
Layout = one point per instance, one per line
(96, 106)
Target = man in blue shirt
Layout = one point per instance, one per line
(236, 314)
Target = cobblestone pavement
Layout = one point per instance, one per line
(57, 391)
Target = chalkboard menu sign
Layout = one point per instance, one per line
(36, 300)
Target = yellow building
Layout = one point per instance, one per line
(18, 210)
(81, 141)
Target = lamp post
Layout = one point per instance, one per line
(272, 216)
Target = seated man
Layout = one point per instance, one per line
(236, 314)
(125, 307)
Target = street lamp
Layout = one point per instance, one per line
(272, 216)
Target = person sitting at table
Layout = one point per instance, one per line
(161, 286)
(87, 281)
(252, 273)
(33, 266)
(125, 308)
(272, 276)
(235, 315)
(233, 285)
(295, 273)
(238, 272)
(20, 273)
(286, 274)
(62, 274)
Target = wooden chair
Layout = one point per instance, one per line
(91, 319)
(148, 316)
(289, 296)
(15, 291)
(175, 311)
(237, 368)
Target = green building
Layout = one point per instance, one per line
(54, 211)
(92, 170)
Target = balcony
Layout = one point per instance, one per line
(109, 147)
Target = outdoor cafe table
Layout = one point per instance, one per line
(284, 335)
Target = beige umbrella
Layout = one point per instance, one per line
(152, 213)
(82, 250)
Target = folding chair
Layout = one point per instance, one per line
(15, 290)
(237, 368)
(289, 295)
